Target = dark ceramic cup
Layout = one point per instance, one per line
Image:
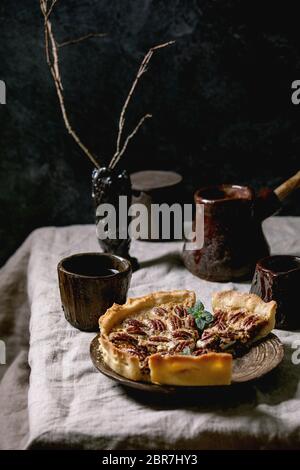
(89, 284)
(278, 278)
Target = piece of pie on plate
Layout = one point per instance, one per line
(155, 338)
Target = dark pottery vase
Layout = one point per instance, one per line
(107, 187)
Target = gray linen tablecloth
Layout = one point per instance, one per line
(52, 397)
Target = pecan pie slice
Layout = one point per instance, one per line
(239, 321)
(153, 338)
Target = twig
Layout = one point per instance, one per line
(80, 39)
(132, 134)
(51, 7)
(142, 69)
(53, 63)
(52, 47)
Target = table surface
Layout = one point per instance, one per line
(60, 400)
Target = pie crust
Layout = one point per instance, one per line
(176, 369)
(209, 369)
(239, 320)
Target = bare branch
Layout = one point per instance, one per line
(80, 39)
(129, 137)
(52, 47)
(142, 69)
(51, 8)
(53, 63)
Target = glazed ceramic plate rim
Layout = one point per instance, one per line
(270, 344)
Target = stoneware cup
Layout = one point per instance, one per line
(278, 278)
(89, 284)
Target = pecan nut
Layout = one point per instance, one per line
(160, 311)
(157, 324)
(236, 317)
(175, 322)
(179, 310)
(123, 337)
(137, 351)
(221, 326)
(159, 339)
(182, 334)
(134, 322)
(249, 321)
(135, 330)
(200, 351)
(179, 347)
(190, 321)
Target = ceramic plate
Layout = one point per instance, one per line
(261, 359)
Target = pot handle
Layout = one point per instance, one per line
(269, 201)
(288, 186)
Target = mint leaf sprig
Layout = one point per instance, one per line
(202, 317)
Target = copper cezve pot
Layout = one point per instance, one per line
(233, 236)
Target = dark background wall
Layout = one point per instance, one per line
(220, 100)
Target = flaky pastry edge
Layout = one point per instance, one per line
(208, 369)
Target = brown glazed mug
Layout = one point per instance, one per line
(278, 278)
(89, 284)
